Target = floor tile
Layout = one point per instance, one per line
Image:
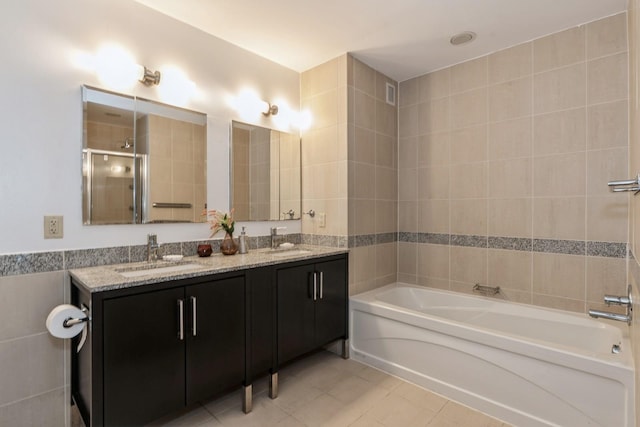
(319, 411)
(326, 390)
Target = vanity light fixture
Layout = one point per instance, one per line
(149, 77)
(117, 69)
(272, 109)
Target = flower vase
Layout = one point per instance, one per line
(228, 246)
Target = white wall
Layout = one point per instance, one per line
(41, 111)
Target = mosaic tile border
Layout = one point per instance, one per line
(362, 240)
(568, 247)
(42, 262)
(324, 240)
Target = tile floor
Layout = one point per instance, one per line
(325, 390)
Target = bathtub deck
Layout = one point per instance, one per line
(327, 390)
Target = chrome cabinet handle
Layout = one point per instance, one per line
(315, 286)
(321, 283)
(181, 319)
(194, 316)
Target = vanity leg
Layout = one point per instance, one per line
(345, 348)
(273, 385)
(247, 398)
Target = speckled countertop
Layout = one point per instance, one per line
(108, 277)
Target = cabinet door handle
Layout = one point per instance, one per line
(321, 283)
(315, 286)
(194, 316)
(181, 319)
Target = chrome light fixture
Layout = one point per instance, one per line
(150, 77)
(272, 109)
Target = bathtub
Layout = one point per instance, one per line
(525, 365)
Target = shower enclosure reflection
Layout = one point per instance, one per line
(110, 178)
(143, 162)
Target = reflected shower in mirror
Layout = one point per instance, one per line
(143, 161)
(265, 173)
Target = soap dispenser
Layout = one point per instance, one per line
(243, 242)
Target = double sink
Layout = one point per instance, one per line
(164, 267)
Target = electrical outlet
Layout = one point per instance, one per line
(322, 219)
(53, 227)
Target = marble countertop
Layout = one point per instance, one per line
(110, 277)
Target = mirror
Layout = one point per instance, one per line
(265, 174)
(142, 161)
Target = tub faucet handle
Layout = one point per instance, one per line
(618, 300)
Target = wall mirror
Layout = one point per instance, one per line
(142, 161)
(265, 173)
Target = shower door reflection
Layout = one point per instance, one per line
(110, 177)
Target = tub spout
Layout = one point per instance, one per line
(611, 316)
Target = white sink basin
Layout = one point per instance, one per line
(158, 270)
(292, 252)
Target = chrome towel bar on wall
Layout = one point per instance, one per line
(632, 184)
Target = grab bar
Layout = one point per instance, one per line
(172, 205)
(623, 185)
(486, 290)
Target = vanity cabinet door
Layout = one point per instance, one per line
(331, 304)
(296, 312)
(215, 337)
(143, 357)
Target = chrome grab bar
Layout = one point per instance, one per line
(486, 290)
(623, 185)
(611, 316)
(172, 205)
(618, 300)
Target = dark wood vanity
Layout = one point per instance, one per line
(157, 348)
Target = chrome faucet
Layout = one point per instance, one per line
(153, 247)
(617, 300)
(274, 236)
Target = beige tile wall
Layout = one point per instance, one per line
(289, 176)
(240, 172)
(373, 187)
(349, 164)
(634, 165)
(177, 165)
(33, 362)
(519, 143)
(324, 148)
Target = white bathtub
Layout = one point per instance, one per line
(528, 366)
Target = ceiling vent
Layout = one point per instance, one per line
(463, 38)
(391, 94)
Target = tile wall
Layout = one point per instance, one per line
(373, 182)
(288, 174)
(260, 174)
(240, 146)
(349, 167)
(503, 169)
(34, 376)
(177, 165)
(634, 167)
(324, 152)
